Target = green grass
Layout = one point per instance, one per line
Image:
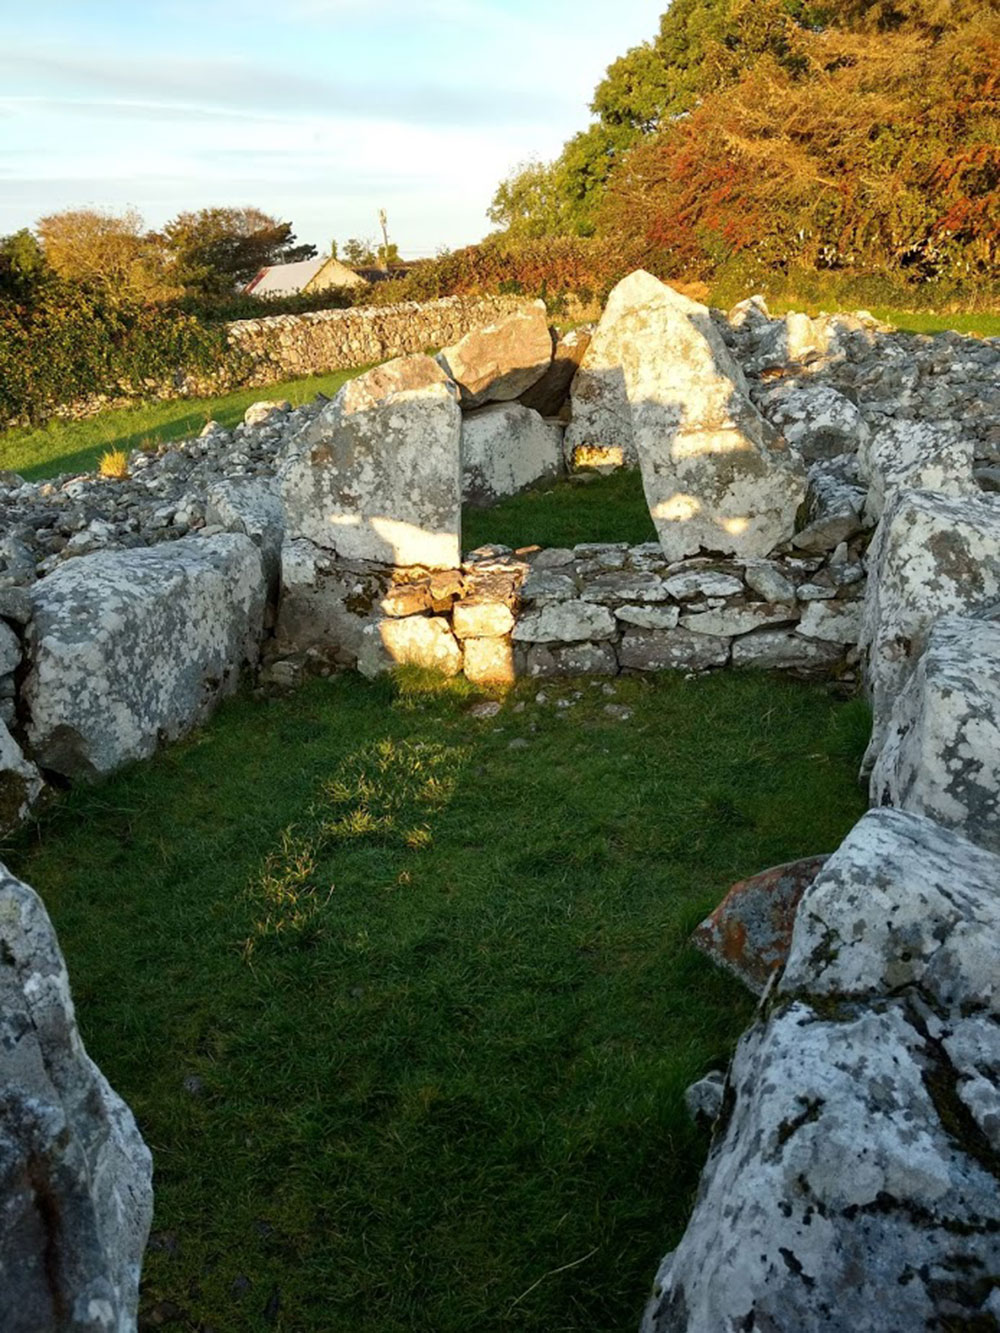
(562, 513)
(436, 991)
(76, 446)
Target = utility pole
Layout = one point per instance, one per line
(383, 222)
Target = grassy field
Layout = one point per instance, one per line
(76, 446)
(586, 508)
(402, 995)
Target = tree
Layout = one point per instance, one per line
(217, 250)
(107, 250)
(359, 254)
(22, 264)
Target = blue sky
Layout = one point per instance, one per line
(320, 111)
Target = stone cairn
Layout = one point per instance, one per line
(824, 493)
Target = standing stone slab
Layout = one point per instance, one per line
(130, 648)
(75, 1175)
(851, 1183)
(502, 361)
(326, 604)
(506, 447)
(600, 429)
(717, 477)
(932, 555)
(941, 755)
(377, 475)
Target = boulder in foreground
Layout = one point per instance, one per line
(75, 1175)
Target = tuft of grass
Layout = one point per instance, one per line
(37, 452)
(586, 508)
(114, 464)
(444, 1087)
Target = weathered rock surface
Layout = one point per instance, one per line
(326, 604)
(671, 650)
(816, 420)
(75, 1175)
(852, 1182)
(932, 555)
(500, 362)
(424, 641)
(506, 447)
(915, 456)
(941, 755)
(129, 649)
(600, 429)
(565, 622)
(717, 477)
(377, 475)
(834, 507)
(550, 395)
(254, 508)
(750, 932)
(20, 782)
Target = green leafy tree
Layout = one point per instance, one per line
(104, 249)
(22, 264)
(216, 250)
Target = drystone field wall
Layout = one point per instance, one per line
(824, 494)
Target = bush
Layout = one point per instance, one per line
(72, 342)
(550, 268)
(224, 309)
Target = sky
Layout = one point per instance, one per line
(320, 112)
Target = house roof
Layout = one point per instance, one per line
(285, 279)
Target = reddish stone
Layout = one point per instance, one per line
(749, 933)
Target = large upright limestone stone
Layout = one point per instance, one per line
(941, 755)
(130, 648)
(851, 1183)
(377, 475)
(499, 363)
(75, 1175)
(933, 555)
(600, 428)
(717, 477)
(506, 447)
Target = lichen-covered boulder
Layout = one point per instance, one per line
(852, 1180)
(20, 783)
(506, 447)
(502, 361)
(130, 648)
(377, 475)
(816, 420)
(75, 1175)
(600, 428)
(717, 477)
(750, 932)
(941, 755)
(254, 508)
(932, 555)
(834, 507)
(906, 455)
(326, 604)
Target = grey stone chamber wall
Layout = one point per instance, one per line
(824, 493)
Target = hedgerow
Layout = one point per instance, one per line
(71, 342)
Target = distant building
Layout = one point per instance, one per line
(310, 275)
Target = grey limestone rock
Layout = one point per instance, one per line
(717, 477)
(915, 455)
(941, 755)
(506, 447)
(565, 622)
(852, 1184)
(376, 475)
(129, 648)
(933, 555)
(501, 361)
(672, 649)
(20, 783)
(75, 1175)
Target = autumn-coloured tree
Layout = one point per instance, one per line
(104, 249)
(883, 152)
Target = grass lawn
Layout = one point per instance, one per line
(588, 508)
(76, 446)
(406, 1011)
